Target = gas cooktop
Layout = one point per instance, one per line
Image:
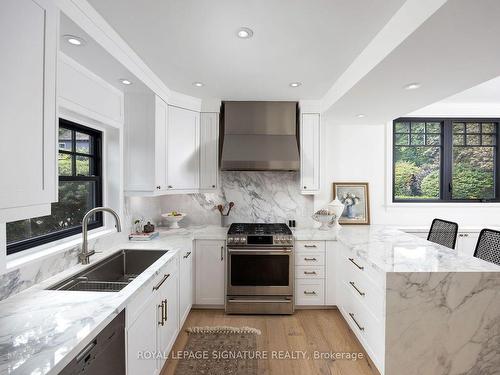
(247, 234)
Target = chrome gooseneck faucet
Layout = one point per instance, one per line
(84, 255)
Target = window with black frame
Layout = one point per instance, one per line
(445, 160)
(80, 189)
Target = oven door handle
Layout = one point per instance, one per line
(260, 251)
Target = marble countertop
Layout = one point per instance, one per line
(42, 330)
(389, 249)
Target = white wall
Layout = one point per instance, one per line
(362, 153)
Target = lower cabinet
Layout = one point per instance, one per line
(186, 278)
(153, 323)
(210, 272)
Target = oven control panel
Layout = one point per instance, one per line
(261, 240)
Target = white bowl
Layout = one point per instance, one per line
(174, 220)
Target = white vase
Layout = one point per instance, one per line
(337, 207)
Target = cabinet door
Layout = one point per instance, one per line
(466, 243)
(210, 275)
(28, 29)
(141, 338)
(209, 150)
(185, 285)
(167, 333)
(310, 153)
(160, 144)
(183, 149)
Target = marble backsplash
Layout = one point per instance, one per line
(262, 197)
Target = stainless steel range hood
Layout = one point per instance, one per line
(259, 136)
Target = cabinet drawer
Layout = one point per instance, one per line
(369, 330)
(351, 262)
(301, 246)
(310, 259)
(310, 272)
(370, 297)
(309, 292)
(135, 306)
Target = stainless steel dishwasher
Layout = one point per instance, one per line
(105, 354)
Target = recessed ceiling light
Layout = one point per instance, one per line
(125, 81)
(244, 33)
(295, 84)
(412, 86)
(198, 84)
(74, 40)
(361, 115)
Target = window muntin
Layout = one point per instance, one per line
(80, 189)
(465, 170)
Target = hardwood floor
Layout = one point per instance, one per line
(308, 331)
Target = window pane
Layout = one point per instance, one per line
(458, 140)
(418, 127)
(416, 172)
(489, 128)
(402, 127)
(489, 140)
(65, 165)
(473, 140)
(83, 166)
(417, 139)
(433, 139)
(402, 139)
(433, 127)
(75, 199)
(458, 127)
(65, 139)
(83, 143)
(473, 127)
(473, 173)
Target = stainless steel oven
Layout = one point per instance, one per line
(260, 270)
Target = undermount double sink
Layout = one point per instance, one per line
(111, 274)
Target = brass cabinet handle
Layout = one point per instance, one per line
(157, 286)
(309, 272)
(357, 290)
(356, 322)
(187, 255)
(222, 253)
(162, 307)
(310, 246)
(356, 264)
(165, 311)
(313, 293)
(310, 259)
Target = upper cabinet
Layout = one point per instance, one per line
(310, 153)
(209, 151)
(28, 39)
(168, 149)
(183, 149)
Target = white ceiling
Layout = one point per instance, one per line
(487, 92)
(95, 58)
(311, 41)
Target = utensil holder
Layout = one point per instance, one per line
(224, 221)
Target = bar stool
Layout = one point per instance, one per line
(443, 233)
(488, 246)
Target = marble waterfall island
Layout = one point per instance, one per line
(438, 312)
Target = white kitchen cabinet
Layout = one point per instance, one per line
(186, 292)
(168, 326)
(210, 276)
(152, 320)
(209, 150)
(330, 274)
(310, 153)
(28, 41)
(183, 149)
(309, 273)
(145, 144)
(466, 243)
